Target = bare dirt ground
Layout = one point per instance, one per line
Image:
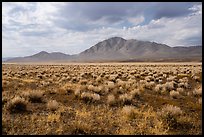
(102, 98)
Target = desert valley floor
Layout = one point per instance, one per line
(102, 98)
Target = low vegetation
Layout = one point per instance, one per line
(107, 98)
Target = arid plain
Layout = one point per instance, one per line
(102, 98)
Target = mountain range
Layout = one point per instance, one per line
(119, 49)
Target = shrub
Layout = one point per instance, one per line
(172, 110)
(25, 94)
(96, 97)
(150, 85)
(197, 92)
(181, 85)
(160, 81)
(112, 77)
(174, 94)
(35, 96)
(125, 98)
(111, 99)
(158, 88)
(90, 97)
(4, 100)
(110, 85)
(98, 89)
(17, 104)
(128, 111)
(69, 89)
(169, 85)
(52, 105)
(90, 87)
(200, 100)
(121, 90)
(142, 82)
(186, 85)
(83, 82)
(169, 114)
(121, 83)
(99, 79)
(77, 93)
(86, 96)
(135, 92)
(170, 78)
(196, 78)
(180, 90)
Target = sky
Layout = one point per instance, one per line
(72, 27)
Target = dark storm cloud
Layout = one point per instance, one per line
(105, 13)
(76, 15)
(170, 10)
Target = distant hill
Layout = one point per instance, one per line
(7, 58)
(119, 49)
(42, 57)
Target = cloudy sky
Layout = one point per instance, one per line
(28, 28)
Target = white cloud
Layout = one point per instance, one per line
(136, 21)
(197, 9)
(29, 31)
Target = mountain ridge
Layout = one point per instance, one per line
(120, 49)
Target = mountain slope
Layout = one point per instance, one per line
(119, 49)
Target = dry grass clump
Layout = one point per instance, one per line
(196, 78)
(4, 100)
(99, 79)
(169, 85)
(174, 94)
(183, 84)
(112, 77)
(197, 91)
(52, 105)
(170, 114)
(81, 128)
(121, 83)
(35, 96)
(17, 104)
(90, 87)
(150, 85)
(200, 100)
(77, 93)
(111, 99)
(180, 90)
(135, 93)
(90, 97)
(110, 85)
(125, 99)
(98, 89)
(158, 88)
(172, 110)
(171, 78)
(129, 111)
(83, 82)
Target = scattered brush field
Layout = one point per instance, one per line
(117, 98)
